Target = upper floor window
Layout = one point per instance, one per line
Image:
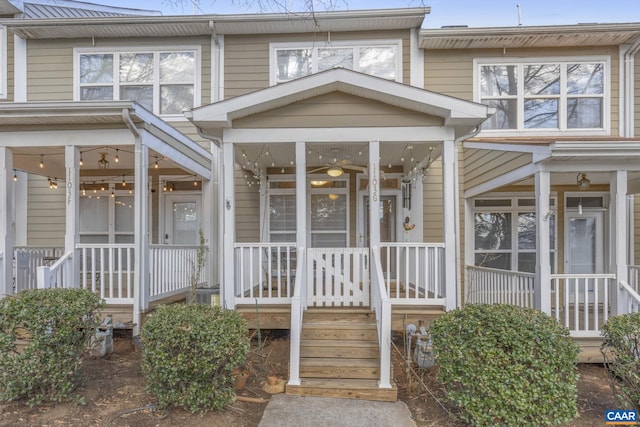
(544, 95)
(378, 58)
(3, 62)
(163, 81)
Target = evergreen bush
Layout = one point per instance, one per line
(190, 352)
(621, 351)
(57, 325)
(506, 365)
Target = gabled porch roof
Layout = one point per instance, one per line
(458, 114)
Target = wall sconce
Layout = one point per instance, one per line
(583, 182)
(103, 163)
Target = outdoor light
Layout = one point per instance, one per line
(318, 183)
(103, 163)
(333, 196)
(41, 161)
(583, 181)
(334, 170)
(117, 158)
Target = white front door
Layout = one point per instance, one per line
(182, 219)
(584, 243)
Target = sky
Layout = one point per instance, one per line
(474, 13)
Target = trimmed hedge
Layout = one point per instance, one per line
(506, 365)
(57, 324)
(189, 355)
(621, 351)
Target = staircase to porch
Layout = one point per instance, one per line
(339, 355)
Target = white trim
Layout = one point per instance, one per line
(515, 148)
(400, 135)
(314, 45)
(562, 96)
(543, 214)
(217, 67)
(416, 58)
(7, 221)
(3, 62)
(449, 228)
(156, 84)
(19, 69)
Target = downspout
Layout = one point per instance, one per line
(456, 182)
(126, 117)
(628, 83)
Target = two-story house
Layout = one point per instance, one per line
(348, 172)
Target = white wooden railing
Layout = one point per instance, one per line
(338, 276)
(107, 269)
(634, 278)
(27, 259)
(381, 304)
(171, 269)
(265, 271)
(580, 302)
(495, 286)
(413, 272)
(58, 275)
(629, 299)
(298, 306)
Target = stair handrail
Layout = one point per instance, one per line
(298, 306)
(58, 275)
(629, 297)
(381, 304)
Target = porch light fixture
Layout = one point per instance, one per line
(155, 165)
(41, 161)
(81, 162)
(15, 176)
(583, 181)
(318, 183)
(103, 163)
(333, 196)
(334, 170)
(117, 158)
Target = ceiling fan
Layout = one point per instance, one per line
(337, 167)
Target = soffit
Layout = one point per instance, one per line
(524, 37)
(175, 26)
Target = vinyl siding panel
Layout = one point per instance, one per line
(451, 71)
(433, 210)
(50, 63)
(337, 109)
(246, 57)
(482, 165)
(45, 213)
(247, 210)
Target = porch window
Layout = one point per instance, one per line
(106, 219)
(505, 234)
(282, 211)
(164, 82)
(544, 95)
(294, 60)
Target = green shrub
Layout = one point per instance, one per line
(621, 351)
(189, 354)
(57, 324)
(506, 365)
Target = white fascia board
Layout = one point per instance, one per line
(592, 165)
(184, 161)
(502, 180)
(402, 135)
(592, 148)
(518, 148)
(58, 138)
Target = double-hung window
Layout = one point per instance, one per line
(163, 81)
(290, 61)
(505, 233)
(544, 95)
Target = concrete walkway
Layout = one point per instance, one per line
(297, 411)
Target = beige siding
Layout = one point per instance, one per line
(246, 58)
(247, 210)
(337, 109)
(482, 165)
(432, 204)
(45, 213)
(451, 71)
(50, 63)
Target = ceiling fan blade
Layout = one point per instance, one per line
(323, 168)
(355, 168)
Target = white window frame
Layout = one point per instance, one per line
(562, 97)
(267, 200)
(315, 45)
(514, 210)
(341, 191)
(156, 51)
(3, 63)
(112, 187)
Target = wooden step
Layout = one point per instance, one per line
(339, 331)
(336, 368)
(344, 388)
(347, 349)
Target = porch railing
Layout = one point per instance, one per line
(59, 275)
(27, 259)
(581, 301)
(494, 286)
(172, 268)
(266, 272)
(381, 304)
(629, 299)
(338, 276)
(107, 269)
(298, 306)
(413, 272)
(634, 278)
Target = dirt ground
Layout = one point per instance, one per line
(114, 390)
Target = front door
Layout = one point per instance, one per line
(182, 219)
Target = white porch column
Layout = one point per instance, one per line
(7, 222)
(72, 203)
(543, 242)
(209, 228)
(227, 287)
(301, 196)
(619, 234)
(141, 231)
(374, 194)
(449, 222)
